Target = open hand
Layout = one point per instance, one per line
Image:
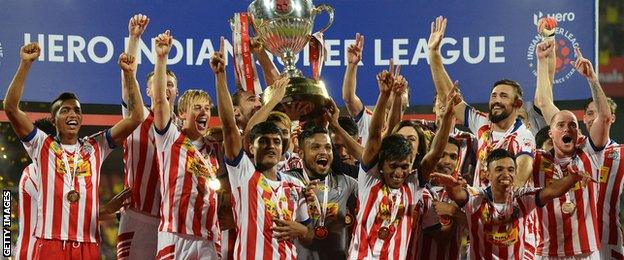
(438, 28)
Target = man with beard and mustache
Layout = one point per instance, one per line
(443, 227)
(269, 206)
(500, 128)
(332, 198)
(188, 166)
(573, 228)
(496, 214)
(67, 169)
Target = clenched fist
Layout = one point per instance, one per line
(125, 62)
(163, 44)
(30, 52)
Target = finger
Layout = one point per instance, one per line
(147, 20)
(391, 67)
(443, 29)
(432, 27)
(168, 32)
(578, 53)
(361, 45)
(398, 70)
(221, 44)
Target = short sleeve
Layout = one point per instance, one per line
(526, 142)
(527, 199)
(363, 121)
(104, 141)
(368, 178)
(474, 119)
(536, 119)
(474, 201)
(166, 137)
(34, 142)
(240, 169)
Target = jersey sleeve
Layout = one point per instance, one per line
(526, 143)
(240, 169)
(474, 119)
(367, 178)
(528, 199)
(104, 141)
(363, 121)
(166, 137)
(535, 117)
(33, 143)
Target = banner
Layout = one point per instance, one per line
(485, 41)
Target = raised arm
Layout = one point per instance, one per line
(544, 89)
(160, 106)
(441, 80)
(354, 55)
(19, 120)
(600, 129)
(232, 142)
(385, 80)
(279, 90)
(271, 74)
(126, 126)
(453, 188)
(396, 110)
(353, 147)
(440, 138)
(136, 27)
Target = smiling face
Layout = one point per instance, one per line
(317, 154)
(196, 117)
(68, 117)
(501, 103)
(501, 173)
(448, 162)
(267, 150)
(564, 132)
(396, 171)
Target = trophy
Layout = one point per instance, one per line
(285, 27)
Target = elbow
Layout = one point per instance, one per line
(9, 107)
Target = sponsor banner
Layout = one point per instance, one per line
(485, 41)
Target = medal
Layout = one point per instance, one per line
(384, 233)
(320, 232)
(73, 196)
(348, 220)
(568, 207)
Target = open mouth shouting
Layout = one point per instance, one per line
(202, 123)
(72, 123)
(322, 162)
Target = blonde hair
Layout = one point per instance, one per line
(191, 97)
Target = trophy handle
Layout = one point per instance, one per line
(330, 11)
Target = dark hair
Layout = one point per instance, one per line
(151, 74)
(309, 132)
(610, 102)
(348, 124)
(423, 139)
(512, 83)
(236, 96)
(55, 105)
(542, 136)
(266, 128)
(45, 125)
(498, 154)
(394, 147)
(453, 141)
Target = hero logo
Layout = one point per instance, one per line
(560, 17)
(565, 43)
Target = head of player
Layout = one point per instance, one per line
(316, 151)
(282, 121)
(340, 147)
(414, 133)
(542, 140)
(171, 90)
(501, 167)
(66, 115)
(267, 145)
(450, 158)
(591, 112)
(505, 100)
(395, 160)
(194, 111)
(564, 132)
(246, 103)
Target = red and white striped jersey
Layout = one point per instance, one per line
(291, 161)
(492, 240)
(611, 180)
(257, 200)
(188, 205)
(363, 121)
(375, 208)
(141, 165)
(428, 246)
(27, 215)
(517, 140)
(559, 233)
(57, 217)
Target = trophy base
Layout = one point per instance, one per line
(304, 99)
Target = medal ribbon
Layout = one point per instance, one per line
(66, 164)
(243, 60)
(208, 165)
(323, 209)
(396, 202)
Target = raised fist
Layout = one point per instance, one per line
(125, 62)
(163, 43)
(545, 49)
(137, 25)
(30, 52)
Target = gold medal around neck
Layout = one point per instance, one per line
(73, 196)
(320, 232)
(384, 233)
(348, 219)
(568, 207)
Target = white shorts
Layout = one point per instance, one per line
(136, 235)
(588, 256)
(180, 246)
(611, 251)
